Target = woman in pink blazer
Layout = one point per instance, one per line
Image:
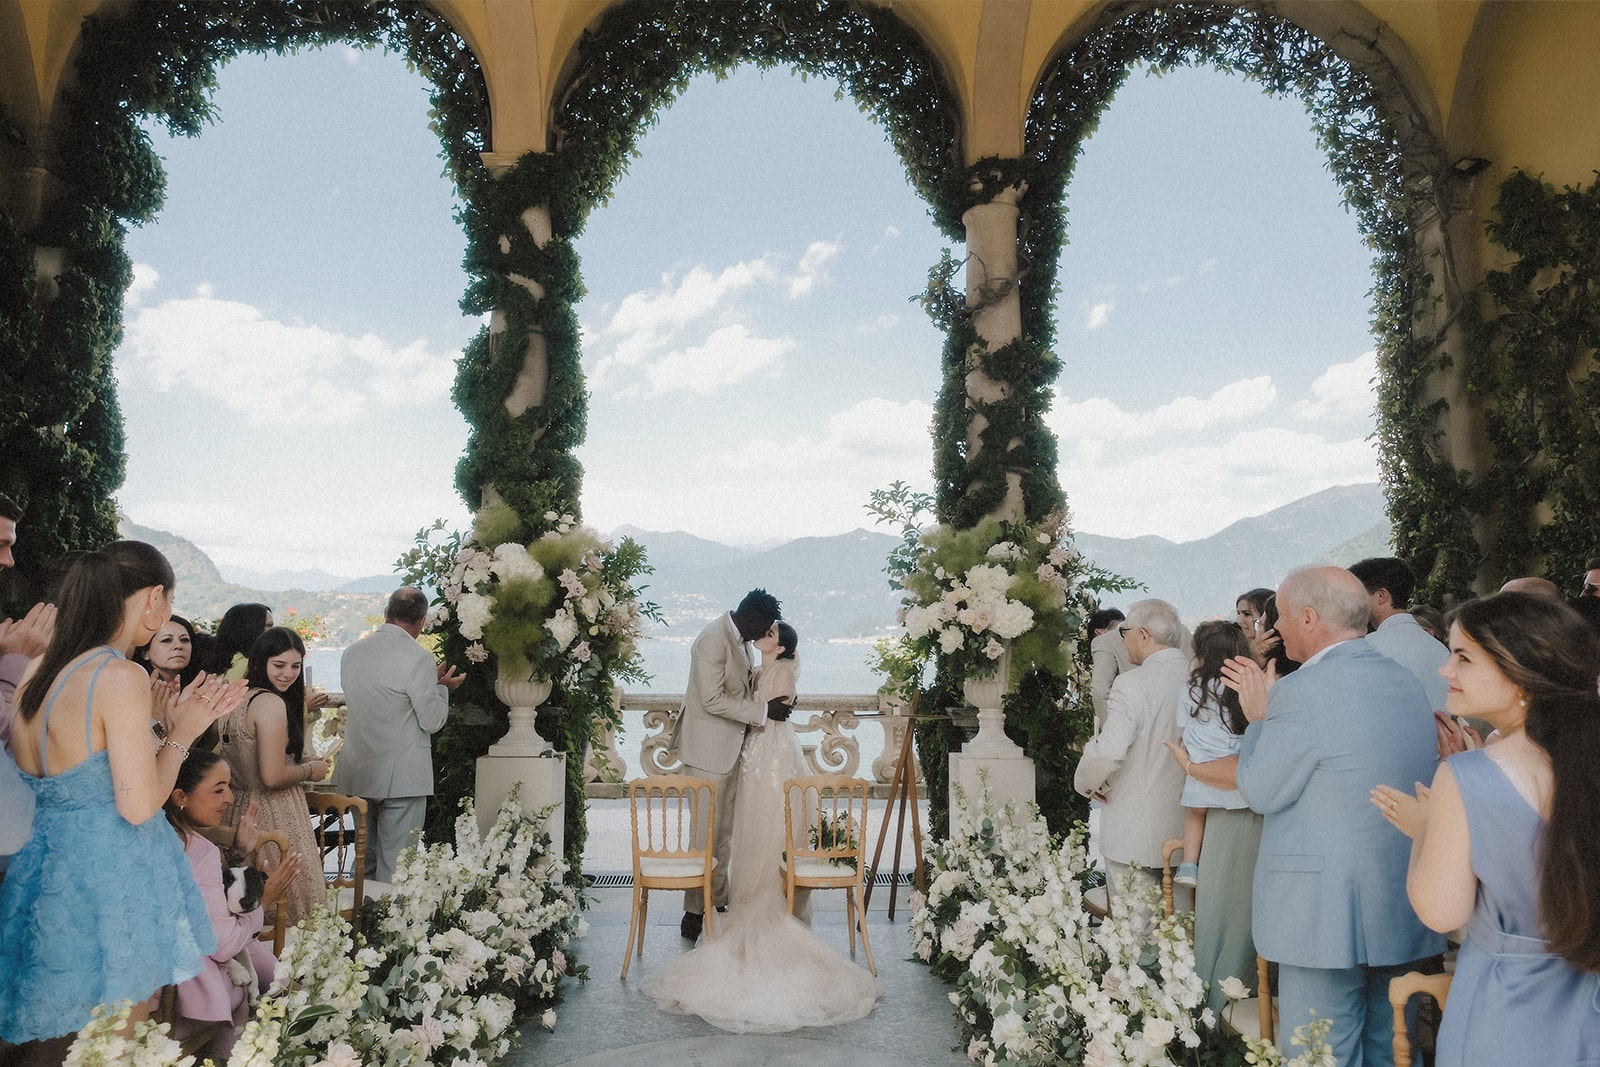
(212, 999)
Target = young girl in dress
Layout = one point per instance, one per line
(264, 743)
(1213, 728)
(211, 1000)
(100, 905)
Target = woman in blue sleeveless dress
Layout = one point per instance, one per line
(101, 904)
(1503, 842)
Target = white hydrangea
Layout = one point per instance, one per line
(511, 561)
(473, 611)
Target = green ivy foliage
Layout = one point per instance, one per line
(1389, 192)
(1534, 366)
(61, 437)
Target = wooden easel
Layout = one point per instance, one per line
(902, 785)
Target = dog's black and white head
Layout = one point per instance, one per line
(241, 887)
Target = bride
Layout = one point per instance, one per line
(762, 970)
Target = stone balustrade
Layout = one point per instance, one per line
(835, 729)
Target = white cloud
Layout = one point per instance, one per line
(270, 371)
(809, 270)
(144, 282)
(1344, 390)
(1099, 417)
(891, 231)
(803, 486)
(729, 356)
(1187, 467)
(1098, 315)
(352, 56)
(1192, 489)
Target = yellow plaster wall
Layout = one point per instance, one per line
(1435, 34)
(1528, 98)
(36, 37)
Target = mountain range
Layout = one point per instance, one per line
(834, 588)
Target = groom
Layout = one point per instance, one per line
(718, 708)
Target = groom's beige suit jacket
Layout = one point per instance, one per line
(720, 702)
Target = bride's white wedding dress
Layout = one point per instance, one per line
(762, 970)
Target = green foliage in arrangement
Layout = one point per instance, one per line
(1534, 366)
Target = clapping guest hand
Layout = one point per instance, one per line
(203, 702)
(449, 677)
(163, 696)
(247, 833)
(1263, 642)
(30, 635)
(1455, 735)
(1406, 813)
(1245, 677)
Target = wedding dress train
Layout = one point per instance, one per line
(763, 971)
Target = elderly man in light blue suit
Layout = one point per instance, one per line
(1330, 883)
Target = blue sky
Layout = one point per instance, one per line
(755, 364)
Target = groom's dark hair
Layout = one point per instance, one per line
(758, 603)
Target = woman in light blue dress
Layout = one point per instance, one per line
(100, 905)
(1504, 841)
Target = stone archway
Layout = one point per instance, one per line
(1359, 85)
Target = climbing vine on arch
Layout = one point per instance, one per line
(1394, 178)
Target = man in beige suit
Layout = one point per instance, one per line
(1125, 764)
(719, 706)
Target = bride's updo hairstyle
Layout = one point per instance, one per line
(1553, 656)
(90, 606)
(788, 639)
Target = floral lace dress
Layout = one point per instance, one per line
(764, 971)
(281, 809)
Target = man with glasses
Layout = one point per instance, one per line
(1125, 765)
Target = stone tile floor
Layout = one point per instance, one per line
(607, 1021)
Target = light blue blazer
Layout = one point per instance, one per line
(1330, 882)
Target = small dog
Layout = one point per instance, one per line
(242, 888)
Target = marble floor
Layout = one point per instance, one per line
(608, 1021)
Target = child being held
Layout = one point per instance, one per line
(1213, 728)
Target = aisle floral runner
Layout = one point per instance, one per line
(472, 942)
(1037, 983)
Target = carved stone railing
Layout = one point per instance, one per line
(830, 728)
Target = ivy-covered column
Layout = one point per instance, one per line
(994, 303)
(515, 327)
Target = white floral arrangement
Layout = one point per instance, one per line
(473, 941)
(975, 593)
(560, 608)
(108, 1041)
(1036, 982)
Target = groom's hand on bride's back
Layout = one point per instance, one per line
(778, 710)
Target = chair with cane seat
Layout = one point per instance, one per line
(339, 824)
(665, 853)
(825, 830)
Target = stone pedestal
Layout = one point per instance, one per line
(544, 782)
(1011, 779)
(1011, 774)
